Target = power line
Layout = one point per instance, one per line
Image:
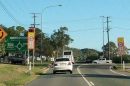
(80, 30)
(9, 14)
(73, 20)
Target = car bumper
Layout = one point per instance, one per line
(63, 68)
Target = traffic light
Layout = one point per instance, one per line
(31, 29)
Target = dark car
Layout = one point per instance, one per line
(16, 60)
(88, 61)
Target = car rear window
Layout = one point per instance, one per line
(62, 59)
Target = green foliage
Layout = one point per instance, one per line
(125, 58)
(81, 55)
(59, 39)
(89, 52)
(44, 45)
(113, 49)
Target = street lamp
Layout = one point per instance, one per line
(43, 10)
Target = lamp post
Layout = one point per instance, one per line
(43, 10)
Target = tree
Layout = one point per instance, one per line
(90, 53)
(19, 30)
(113, 49)
(59, 39)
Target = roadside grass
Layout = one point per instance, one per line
(120, 68)
(18, 75)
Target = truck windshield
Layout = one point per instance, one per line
(67, 53)
(62, 59)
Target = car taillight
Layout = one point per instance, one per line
(69, 63)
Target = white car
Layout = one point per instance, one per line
(62, 65)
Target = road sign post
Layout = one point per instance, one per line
(121, 46)
(121, 50)
(31, 41)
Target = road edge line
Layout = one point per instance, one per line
(116, 72)
(92, 83)
(83, 76)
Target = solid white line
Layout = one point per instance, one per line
(116, 72)
(92, 83)
(83, 76)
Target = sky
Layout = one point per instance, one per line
(81, 17)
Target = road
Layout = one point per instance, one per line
(84, 75)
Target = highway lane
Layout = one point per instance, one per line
(60, 79)
(83, 75)
(101, 75)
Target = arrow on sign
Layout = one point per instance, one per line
(3, 34)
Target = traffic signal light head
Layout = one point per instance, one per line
(31, 30)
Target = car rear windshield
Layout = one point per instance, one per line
(63, 59)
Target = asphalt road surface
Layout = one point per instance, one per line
(84, 75)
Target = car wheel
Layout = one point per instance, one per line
(54, 72)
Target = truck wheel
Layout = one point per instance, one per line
(71, 72)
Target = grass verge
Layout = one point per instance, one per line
(18, 75)
(120, 68)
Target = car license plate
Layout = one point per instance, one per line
(62, 64)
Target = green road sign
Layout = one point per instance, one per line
(16, 44)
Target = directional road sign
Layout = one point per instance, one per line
(16, 44)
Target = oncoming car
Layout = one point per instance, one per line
(63, 65)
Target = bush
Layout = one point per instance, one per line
(125, 58)
(93, 57)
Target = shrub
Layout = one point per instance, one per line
(125, 58)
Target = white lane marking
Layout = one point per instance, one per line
(83, 76)
(116, 72)
(92, 83)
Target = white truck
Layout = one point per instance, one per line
(68, 54)
(102, 61)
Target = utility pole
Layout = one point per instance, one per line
(34, 20)
(108, 29)
(34, 26)
(103, 32)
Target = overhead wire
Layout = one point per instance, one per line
(9, 13)
(80, 30)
